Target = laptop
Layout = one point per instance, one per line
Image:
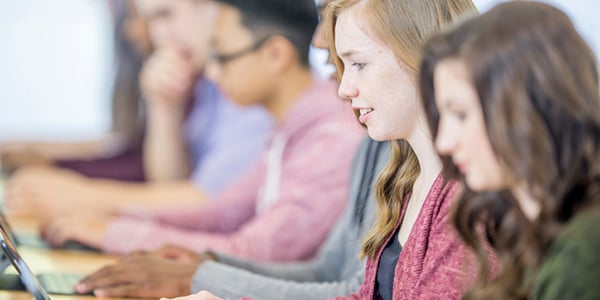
(38, 285)
(34, 241)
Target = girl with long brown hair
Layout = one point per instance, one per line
(513, 102)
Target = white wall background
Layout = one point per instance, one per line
(56, 63)
(583, 12)
(55, 66)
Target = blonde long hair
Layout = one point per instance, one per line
(403, 25)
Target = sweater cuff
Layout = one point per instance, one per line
(206, 273)
(125, 235)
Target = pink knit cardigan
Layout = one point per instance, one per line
(433, 263)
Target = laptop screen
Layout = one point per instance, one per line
(29, 280)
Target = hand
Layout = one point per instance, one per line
(203, 295)
(167, 78)
(47, 192)
(182, 254)
(88, 230)
(140, 276)
(19, 154)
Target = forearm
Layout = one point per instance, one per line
(297, 271)
(329, 264)
(56, 150)
(231, 282)
(263, 239)
(125, 195)
(165, 151)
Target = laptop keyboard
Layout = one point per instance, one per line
(59, 283)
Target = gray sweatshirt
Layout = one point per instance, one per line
(335, 271)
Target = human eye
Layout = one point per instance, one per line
(460, 115)
(358, 66)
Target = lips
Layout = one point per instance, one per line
(364, 114)
(364, 111)
(460, 166)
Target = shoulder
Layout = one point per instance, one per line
(580, 240)
(571, 267)
(441, 197)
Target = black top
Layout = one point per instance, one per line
(386, 268)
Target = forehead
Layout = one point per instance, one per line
(351, 34)
(228, 25)
(453, 82)
(450, 69)
(227, 17)
(149, 8)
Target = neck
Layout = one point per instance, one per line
(429, 161)
(528, 205)
(290, 85)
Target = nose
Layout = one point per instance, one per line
(445, 142)
(347, 89)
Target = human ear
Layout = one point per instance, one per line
(279, 54)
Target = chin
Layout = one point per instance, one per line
(379, 135)
(478, 184)
(240, 101)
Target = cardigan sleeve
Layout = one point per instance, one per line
(444, 266)
(218, 278)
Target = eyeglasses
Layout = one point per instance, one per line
(222, 59)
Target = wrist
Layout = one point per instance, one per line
(210, 255)
(166, 113)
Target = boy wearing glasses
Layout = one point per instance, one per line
(285, 206)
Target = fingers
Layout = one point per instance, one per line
(88, 231)
(122, 273)
(52, 232)
(173, 252)
(140, 276)
(203, 295)
(168, 76)
(132, 280)
(123, 290)
(113, 276)
(40, 191)
(133, 290)
(138, 253)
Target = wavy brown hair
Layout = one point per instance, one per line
(403, 25)
(537, 83)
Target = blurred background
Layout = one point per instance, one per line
(58, 65)
(57, 68)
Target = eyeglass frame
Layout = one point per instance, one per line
(223, 59)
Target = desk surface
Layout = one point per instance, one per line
(11, 295)
(54, 261)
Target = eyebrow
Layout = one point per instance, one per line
(348, 54)
(451, 104)
(159, 13)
